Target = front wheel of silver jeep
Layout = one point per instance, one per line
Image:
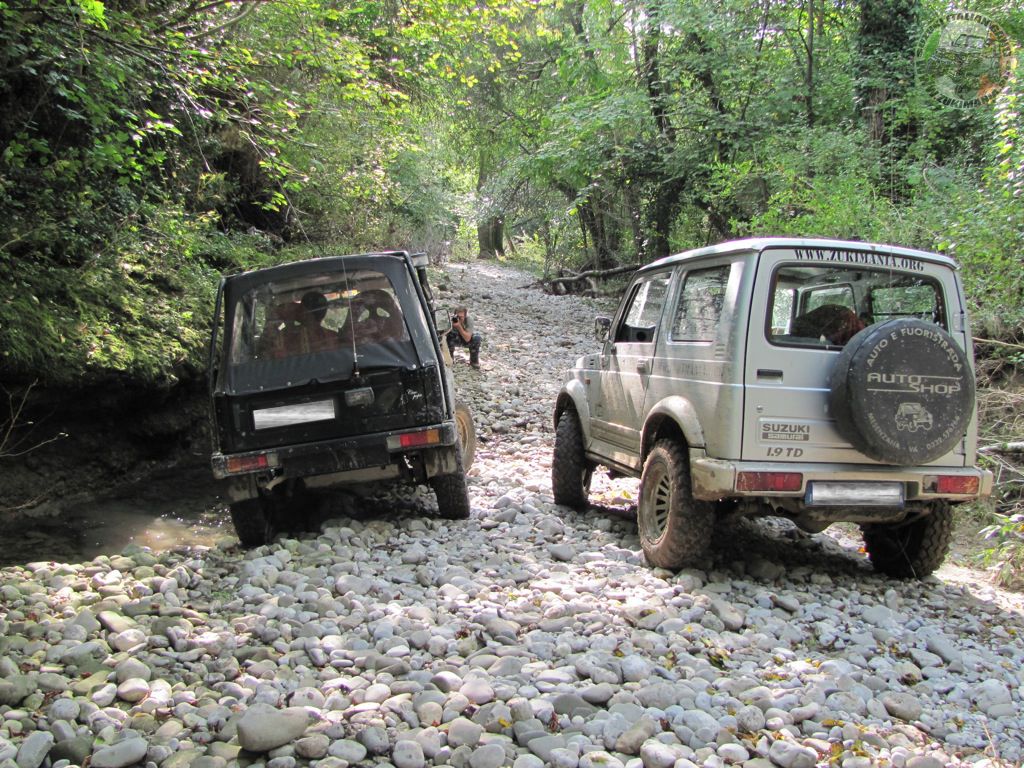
(675, 528)
(571, 473)
(911, 550)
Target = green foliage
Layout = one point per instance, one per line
(148, 147)
(819, 183)
(1005, 550)
(141, 141)
(137, 310)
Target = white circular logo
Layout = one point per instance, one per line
(965, 58)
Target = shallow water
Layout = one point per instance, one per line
(174, 509)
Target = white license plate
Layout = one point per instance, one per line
(839, 494)
(289, 415)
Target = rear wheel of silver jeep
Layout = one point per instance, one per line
(252, 519)
(914, 549)
(571, 473)
(675, 528)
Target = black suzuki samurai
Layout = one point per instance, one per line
(330, 372)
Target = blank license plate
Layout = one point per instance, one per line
(289, 415)
(839, 494)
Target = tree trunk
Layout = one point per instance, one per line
(490, 229)
(809, 76)
(667, 192)
(662, 214)
(490, 235)
(885, 60)
(603, 236)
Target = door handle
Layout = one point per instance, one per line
(768, 373)
(643, 367)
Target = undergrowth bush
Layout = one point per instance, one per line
(1005, 553)
(138, 309)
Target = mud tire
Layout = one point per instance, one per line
(571, 473)
(466, 432)
(452, 493)
(870, 387)
(911, 550)
(253, 521)
(675, 529)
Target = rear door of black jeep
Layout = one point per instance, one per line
(325, 349)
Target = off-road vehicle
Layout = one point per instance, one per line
(329, 372)
(820, 380)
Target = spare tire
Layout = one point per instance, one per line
(902, 392)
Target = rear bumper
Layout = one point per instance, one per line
(360, 458)
(714, 479)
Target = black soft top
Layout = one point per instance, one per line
(262, 375)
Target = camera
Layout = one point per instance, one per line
(455, 319)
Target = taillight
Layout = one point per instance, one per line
(238, 464)
(769, 481)
(961, 485)
(414, 439)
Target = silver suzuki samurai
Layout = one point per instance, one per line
(823, 381)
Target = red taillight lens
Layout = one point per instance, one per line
(957, 484)
(769, 481)
(238, 464)
(417, 439)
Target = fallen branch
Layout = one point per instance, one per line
(601, 273)
(979, 340)
(580, 282)
(1013, 447)
(10, 447)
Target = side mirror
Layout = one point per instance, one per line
(602, 327)
(442, 320)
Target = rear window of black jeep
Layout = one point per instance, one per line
(290, 318)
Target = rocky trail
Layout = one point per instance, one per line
(526, 636)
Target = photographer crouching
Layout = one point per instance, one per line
(461, 335)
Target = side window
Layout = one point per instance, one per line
(700, 305)
(919, 301)
(644, 311)
(250, 316)
(840, 295)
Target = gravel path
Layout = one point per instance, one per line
(526, 636)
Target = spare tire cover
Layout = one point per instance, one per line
(902, 392)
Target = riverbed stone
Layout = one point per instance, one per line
(347, 750)
(462, 731)
(122, 753)
(408, 754)
(903, 705)
(34, 749)
(790, 755)
(262, 727)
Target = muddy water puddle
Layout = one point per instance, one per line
(168, 511)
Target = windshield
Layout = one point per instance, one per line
(291, 331)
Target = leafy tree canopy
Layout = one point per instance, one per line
(148, 145)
